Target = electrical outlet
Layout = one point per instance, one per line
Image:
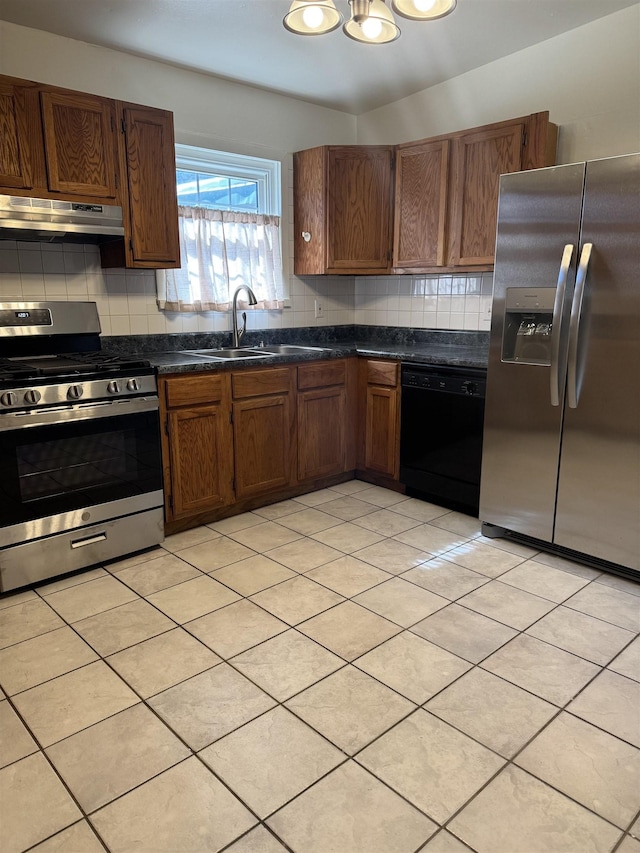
(318, 309)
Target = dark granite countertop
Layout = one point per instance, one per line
(168, 352)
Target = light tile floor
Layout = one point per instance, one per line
(351, 671)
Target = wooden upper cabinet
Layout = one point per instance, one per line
(479, 157)
(343, 210)
(80, 144)
(443, 199)
(421, 176)
(60, 144)
(479, 160)
(150, 166)
(21, 153)
(309, 208)
(359, 209)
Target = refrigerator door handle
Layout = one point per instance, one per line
(573, 389)
(556, 325)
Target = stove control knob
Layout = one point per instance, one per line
(113, 387)
(9, 399)
(32, 396)
(132, 385)
(75, 392)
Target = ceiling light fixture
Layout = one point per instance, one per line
(312, 17)
(371, 21)
(423, 10)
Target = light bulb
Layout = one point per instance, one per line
(424, 5)
(313, 16)
(372, 28)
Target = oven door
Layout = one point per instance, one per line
(59, 465)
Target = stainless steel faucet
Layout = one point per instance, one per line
(238, 333)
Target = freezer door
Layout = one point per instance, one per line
(598, 509)
(538, 228)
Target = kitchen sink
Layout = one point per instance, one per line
(256, 352)
(287, 349)
(229, 353)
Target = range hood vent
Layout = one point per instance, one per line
(52, 221)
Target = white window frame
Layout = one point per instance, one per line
(266, 173)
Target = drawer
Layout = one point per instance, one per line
(382, 373)
(321, 374)
(256, 383)
(190, 389)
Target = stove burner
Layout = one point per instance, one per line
(67, 364)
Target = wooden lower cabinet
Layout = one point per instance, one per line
(322, 419)
(233, 441)
(198, 449)
(379, 418)
(263, 430)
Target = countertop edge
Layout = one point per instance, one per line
(453, 356)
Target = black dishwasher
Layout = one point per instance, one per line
(441, 434)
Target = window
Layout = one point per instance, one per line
(229, 222)
(197, 189)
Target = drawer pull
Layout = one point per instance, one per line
(89, 540)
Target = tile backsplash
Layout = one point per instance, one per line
(425, 302)
(126, 299)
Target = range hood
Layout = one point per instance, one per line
(55, 221)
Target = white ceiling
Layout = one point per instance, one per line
(244, 41)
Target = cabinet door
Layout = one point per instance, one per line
(420, 205)
(80, 144)
(478, 161)
(151, 178)
(200, 454)
(359, 209)
(321, 432)
(21, 152)
(262, 441)
(309, 194)
(381, 430)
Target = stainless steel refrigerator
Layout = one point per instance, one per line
(561, 452)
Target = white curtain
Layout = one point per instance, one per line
(221, 250)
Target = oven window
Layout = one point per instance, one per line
(63, 467)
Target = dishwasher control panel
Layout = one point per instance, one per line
(469, 382)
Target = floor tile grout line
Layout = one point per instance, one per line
(42, 750)
(405, 629)
(542, 781)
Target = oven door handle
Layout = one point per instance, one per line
(81, 412)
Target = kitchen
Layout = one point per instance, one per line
(596, 120)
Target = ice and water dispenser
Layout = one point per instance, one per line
(528, 325)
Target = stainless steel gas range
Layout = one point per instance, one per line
(80, 456)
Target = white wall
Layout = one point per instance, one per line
(208, 112)
(588, 79)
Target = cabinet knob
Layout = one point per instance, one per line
(306, 236)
